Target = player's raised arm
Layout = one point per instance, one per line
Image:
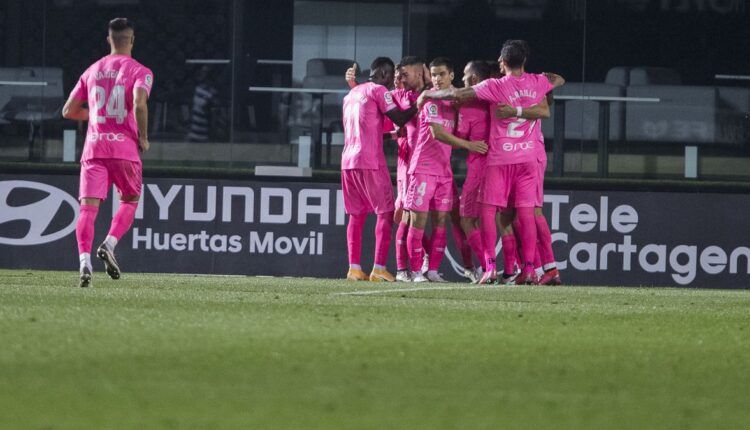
(555, 80)
(460, 95)
(140, 100)
(351, 76)
(401, 117)
(439, 133)
(537, 111)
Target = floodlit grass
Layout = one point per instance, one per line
(171, 351)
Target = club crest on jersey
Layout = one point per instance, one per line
(432, 110)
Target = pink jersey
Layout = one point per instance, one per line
(108, 87)
(405, 99)
(514, 140)
(474, 125)
(431, 156)
(364, 109)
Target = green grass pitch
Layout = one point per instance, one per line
(173, 351)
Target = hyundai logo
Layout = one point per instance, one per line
(39, 214)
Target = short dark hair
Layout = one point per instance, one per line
(120, 24)
(442, 61)
(381, 62)
(515, 53)
(411, 60)
(116, 27)
(494, 69)
(480, 68)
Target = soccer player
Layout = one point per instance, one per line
(116, 89)
(413, 81)
(512, 166)
(549, 274)
(365, 180)
(473, 125)
(409, 81)
(431, 178)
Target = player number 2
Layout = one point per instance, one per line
(115, 104)
(512, 132)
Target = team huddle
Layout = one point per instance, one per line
(497, 120)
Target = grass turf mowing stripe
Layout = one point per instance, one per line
(165, 351)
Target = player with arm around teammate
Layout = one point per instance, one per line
(365, 180)
(512, 168)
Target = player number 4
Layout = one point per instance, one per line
(115, 104)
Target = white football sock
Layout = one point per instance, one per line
(85, 260)
(111, 242)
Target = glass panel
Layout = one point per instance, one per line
(186, 43)
(676, 56)
(31, 91)
(465, 30)
(298, 86)
(206, 55)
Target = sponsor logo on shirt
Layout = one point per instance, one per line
(518, 146)
(107, 137)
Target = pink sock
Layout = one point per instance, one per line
(528, 236)
(439, 239)
(509, 253)
(383, 230)
(517, 234)
(85, 227)
(475, 242)
(460, 240)
(537, 258)
(402, 254)
(414, 246)
(123, 219)
(354, 237)
(489, 235)
(544, 240)
(427, 242)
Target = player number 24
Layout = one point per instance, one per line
(115, 104)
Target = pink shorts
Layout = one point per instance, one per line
(470, 205)
(402, 183)
(540, 183)
(429, 193)
(456, 196)
(98, 175)
(366, 191)
(511, 185)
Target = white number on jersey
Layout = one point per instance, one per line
(512, 132)
(351, 121)
(115, 104)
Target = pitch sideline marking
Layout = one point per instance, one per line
(404, 290)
